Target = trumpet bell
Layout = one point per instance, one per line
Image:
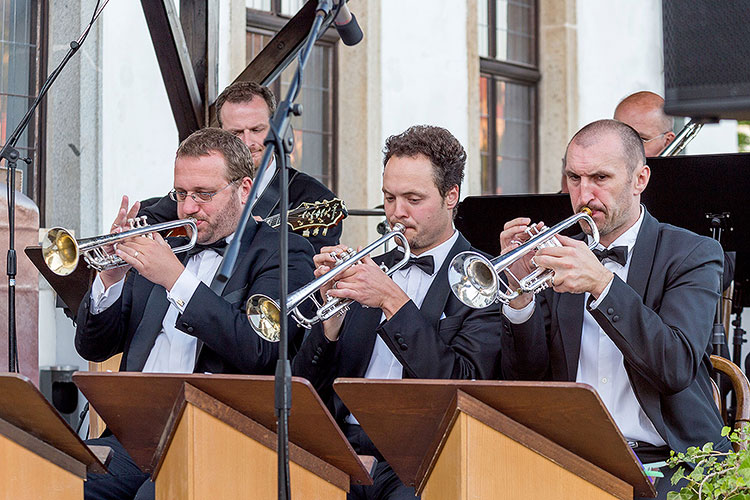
(265, 317)
(473, 280)
(60, 251)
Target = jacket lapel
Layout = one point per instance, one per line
(148, 329)
(570, 319)
(439, 291)
(642, 261)
(360, 341)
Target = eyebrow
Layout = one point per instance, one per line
(408, 193)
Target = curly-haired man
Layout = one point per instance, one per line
(410, 326)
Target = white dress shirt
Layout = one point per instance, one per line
(264, 181)
(173, 350)
(415, 283)
(600, 362)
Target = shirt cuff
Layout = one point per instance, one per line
(595, 303)
(518, 316)
(102, 298)
(183, 290)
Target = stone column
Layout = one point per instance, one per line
(359, 126)
(558, 87)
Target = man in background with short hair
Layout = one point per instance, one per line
(245, 110)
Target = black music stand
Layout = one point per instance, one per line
(683, 189)
(480, 218)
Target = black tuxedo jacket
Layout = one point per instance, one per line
(462, 345)
(660, 320)
(226, 342)
(302, 187)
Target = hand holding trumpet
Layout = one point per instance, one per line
(514, 234)
(152, 257)
(120, 224)
(364, 282)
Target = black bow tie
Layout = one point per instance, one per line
(426, 263)
(218, 246)
(616, 254)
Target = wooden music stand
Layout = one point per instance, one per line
(210, 436)
(40, 454)
(456, 439)
(71, 288)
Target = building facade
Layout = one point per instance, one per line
(511, 79)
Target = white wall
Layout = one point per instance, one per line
(139, 137)
(424, 73)
(619, 52)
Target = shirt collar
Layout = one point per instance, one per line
(627, 238)
(439, 253)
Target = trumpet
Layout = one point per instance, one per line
(61, 251)
(475, 280)
(264, 313)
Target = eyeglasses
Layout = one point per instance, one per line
(646, 141)
(179, 195)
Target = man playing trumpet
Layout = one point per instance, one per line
(160, 312)
(632, 318)
(411, 325)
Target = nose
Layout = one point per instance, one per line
(400, 209)
(248, 139)
(189, 206)
(587, 191)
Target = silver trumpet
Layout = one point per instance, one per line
(264, 313)
(62, 252)
(475, 280)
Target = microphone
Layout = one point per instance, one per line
(347, 26)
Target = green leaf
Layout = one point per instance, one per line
(725, 431)
(708, 447)
(679, 474)
(696, 475)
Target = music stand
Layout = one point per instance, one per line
(683, 189)
(480, 218)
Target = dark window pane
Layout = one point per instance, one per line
(313, 131)
(513, 132)
(18, 50)
(514, 31)
(259, 4)
(291, 7)
(483, 28)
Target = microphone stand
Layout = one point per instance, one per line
(247, 227)
(11, 156)
(718, 337)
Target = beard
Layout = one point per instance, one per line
(222, 223)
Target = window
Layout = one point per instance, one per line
(507, 90)
(313, 131)
(20, 35)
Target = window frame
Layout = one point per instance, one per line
(528, 75)
(34, 180)
(271, 22)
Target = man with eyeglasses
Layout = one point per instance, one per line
(160, 311)
(644, 111)
(244, 109)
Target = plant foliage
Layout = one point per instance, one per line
(715, 475)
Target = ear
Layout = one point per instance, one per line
(451, 197)
(245, 184)
(641, 176)
(668, 138)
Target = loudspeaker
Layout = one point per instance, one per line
(707, 58)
